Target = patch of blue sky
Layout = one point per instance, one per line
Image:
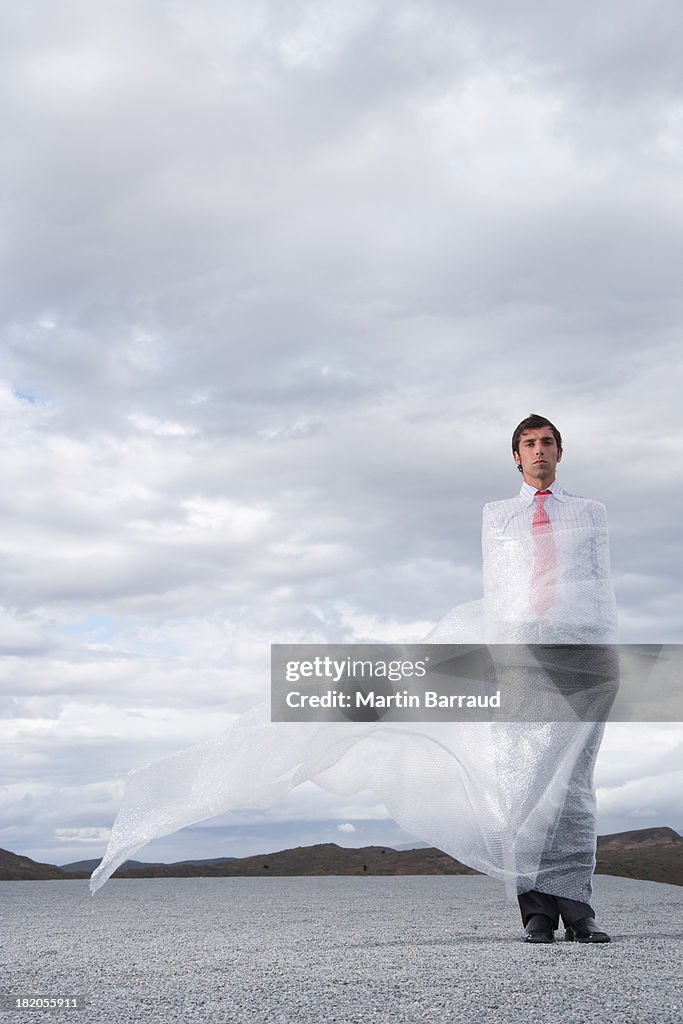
(104, 629)
(25, 395)
(93, 627)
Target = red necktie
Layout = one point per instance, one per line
(543, 576)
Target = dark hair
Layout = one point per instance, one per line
(533, 422)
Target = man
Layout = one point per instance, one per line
(546, 584)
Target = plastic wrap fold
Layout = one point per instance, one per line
(513, 800)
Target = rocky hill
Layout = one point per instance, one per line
(14, 868)
(654, 854)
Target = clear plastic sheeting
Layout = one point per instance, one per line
(554, 588)
(513, 800)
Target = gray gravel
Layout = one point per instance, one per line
(327, 950)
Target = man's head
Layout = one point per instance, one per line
(537, 448)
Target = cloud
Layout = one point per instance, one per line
(280, 281)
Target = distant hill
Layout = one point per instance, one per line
(129, 865)
(13, 868)
(639, 839)
(654, 854)
(322, 859)
(90, 865)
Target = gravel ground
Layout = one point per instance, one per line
(361, 949)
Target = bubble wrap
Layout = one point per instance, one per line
(514, 801)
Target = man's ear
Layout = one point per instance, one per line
(559, 455)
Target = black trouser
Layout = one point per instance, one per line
(554, 907)
(587, 677)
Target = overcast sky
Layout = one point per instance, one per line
(278, 281)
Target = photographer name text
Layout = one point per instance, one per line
(403, 699)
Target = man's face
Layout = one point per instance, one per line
(538, 456)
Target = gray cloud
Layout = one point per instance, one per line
(281, 280)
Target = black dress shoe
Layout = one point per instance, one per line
(585, 930)
(539, 929)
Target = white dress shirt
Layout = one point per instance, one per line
(581, 606)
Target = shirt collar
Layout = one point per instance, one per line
(527, 492)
